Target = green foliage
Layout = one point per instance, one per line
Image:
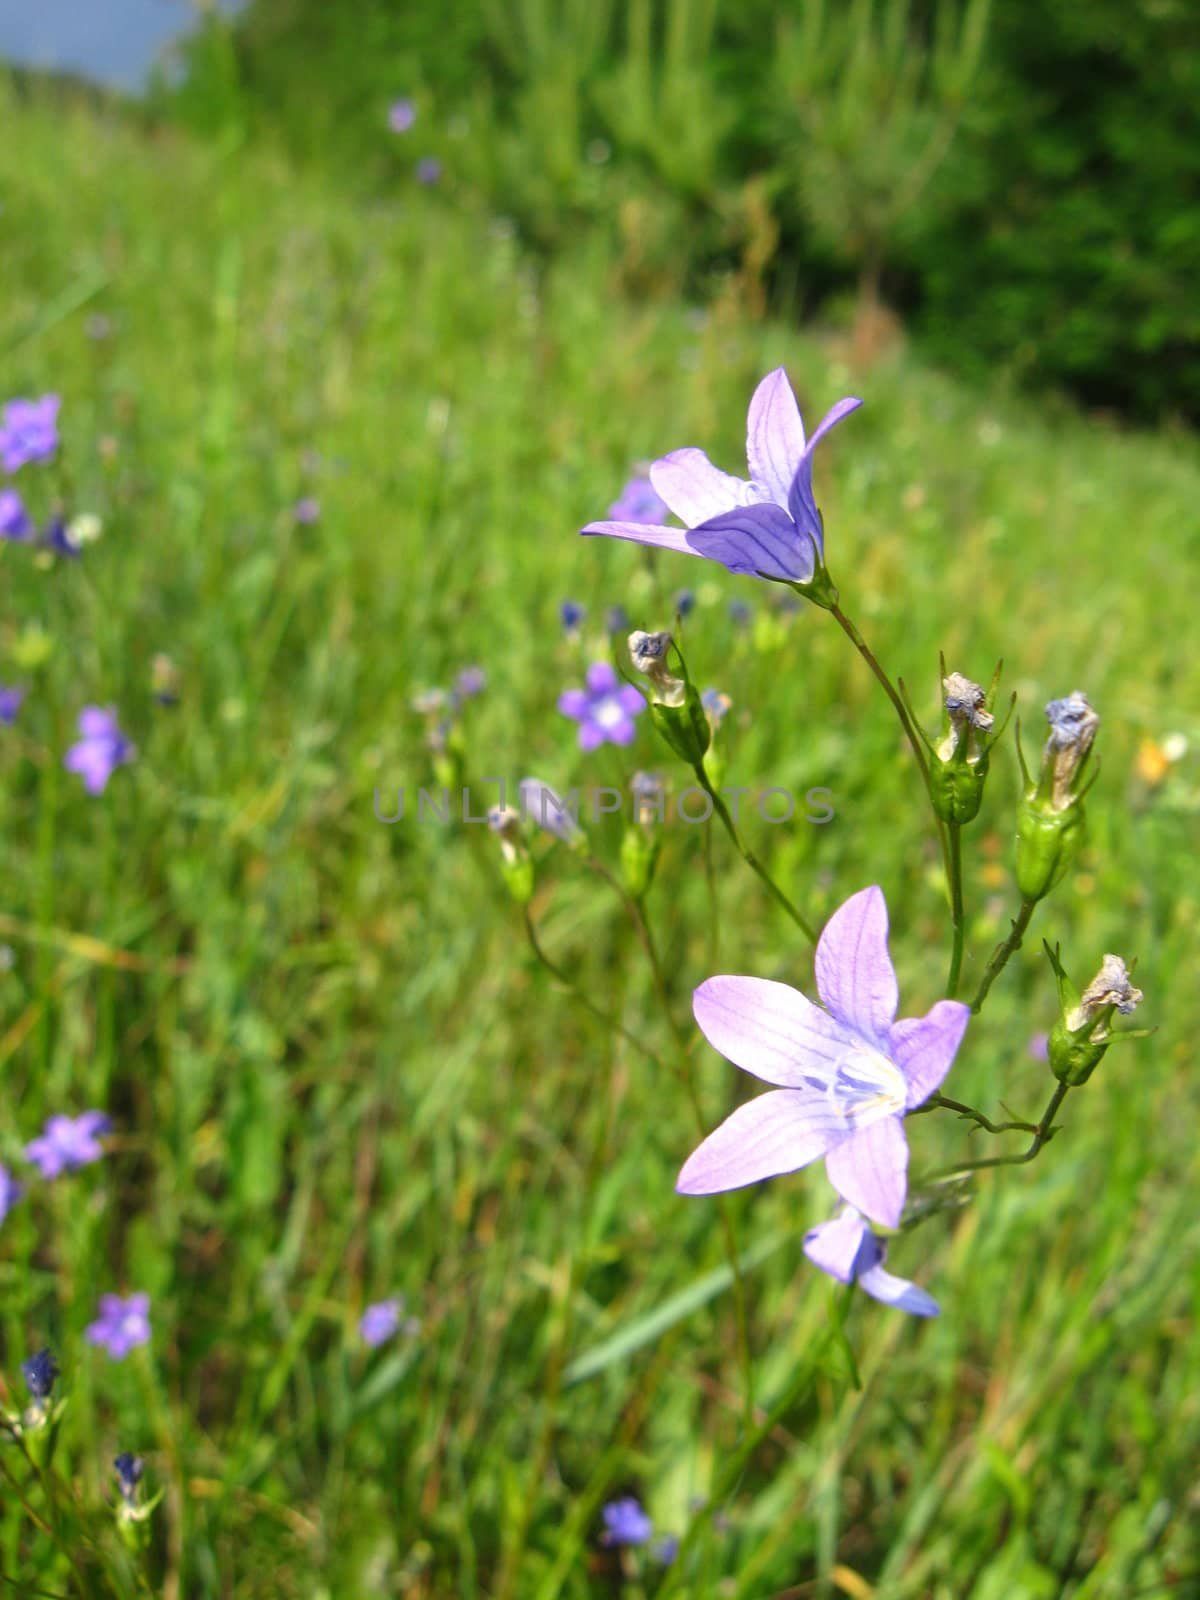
(334, 1069)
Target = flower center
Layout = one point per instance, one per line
(608, 713)
(867, 1085)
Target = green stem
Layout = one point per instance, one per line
(954, 838)
(1002, 952)
(577, 993)
(1041, 1136)
(937, 1101)
(749, 857)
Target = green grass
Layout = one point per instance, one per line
(335, 1070)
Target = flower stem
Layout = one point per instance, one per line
(1041, 1136)
(941, 1101)
(954, 862)
(1002, 952)
(749, 857)
(577, 993)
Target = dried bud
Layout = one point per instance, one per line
(649, 653)
(959, 760)
(1050, 823)
(1109, 990)
(1083, 1031)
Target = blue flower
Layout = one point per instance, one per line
(29, 432)
(572, 614)
(625, 1522)
(604, 710)
(39, 1373)
(15, 521)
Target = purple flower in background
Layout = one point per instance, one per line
(847, 1250)
(11, 701)
(769, 526)
(429, 169)
(739, 613)
(571, 613)
(67, 1143)
(58, 537)
(129, 1469)
(846, 1075)
(539, 801)
(10, 1192)
(401, 115)
(380, 1322)
(39, 1372)
(101, 749)
(306, 510)
(470, 682)
(625, 1522)
(665, 1549)
(641, 503)
(15, 521)
(122, 1324)
(684, 602)
(1039, 1047)
(604, 710)
(616, 619)
(29, 431)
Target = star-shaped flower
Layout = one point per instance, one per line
(847, 1075)
(604, 710)
(122, 1325)
(768, 526)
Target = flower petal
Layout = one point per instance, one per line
(924, 1047)
(842, 1246)
(574, 703)
(870, 1170)
(774, 436)
(644, 533)
(775, 1133)
(772, 1031)
(601, 677)
(855, 976)
(898, 1292)
(693, 488)
(800, 501)
(761, 540)
(631, 700)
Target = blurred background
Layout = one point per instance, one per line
(357, 313)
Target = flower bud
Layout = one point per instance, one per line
(1051, 816)
(675, 706)
(959, 760)
(716, 705)
(1083, 1031)
(516, 863)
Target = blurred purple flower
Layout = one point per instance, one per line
(39, 1372)
(616, 619)
(571, 614)
(101, 749)
(539, 801)
(847, 1075)
(847, 1250)
(625, 1522)
(1039, 1047)
(769, 526)
(68, 1143)
(11, 701)
(306, 510)
(604, 710)
(15, 521)
(639, 502)
(383, 1320)
(665, 1549)
(429, 169)
(129, 1469)
(470, 682)
(10, 1192)
(401, 115)
(29, 431)
(57, 537)
(122, 1325)
(684, 602)
(739, 613)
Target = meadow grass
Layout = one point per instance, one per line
(336, 1071)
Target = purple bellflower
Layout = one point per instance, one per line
(68, 1143)
(625, 1522)
(15, 521)
(401, 115)
(10, 1192)
(846, 1075)
(768, 526)
(10, 703)
(604, 710)
(122, 1325)
(539, 801)
(847, 1250)
(29, 431)
(384, 1320)
(101, 749)
(641, 503)
(40, 1372)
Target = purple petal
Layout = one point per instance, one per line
(631, 700)
(623, 732)
(924, 1047)
(775, 1133)
(591, 737)
(761, 540)
(601, 677)
(836, 1246)
(855, 976)
(801, 503)
(693, 488)
(897, 1292)
(772, 1031)
(97, 723)
(870, 1170)
(644, 533)
(574, 703)
(774, 436)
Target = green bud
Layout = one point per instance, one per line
(1050, 821)
(960, 757)
(516, 864)
(639, 858)
(675, 706)
(685, 727)
(1083, 1032)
